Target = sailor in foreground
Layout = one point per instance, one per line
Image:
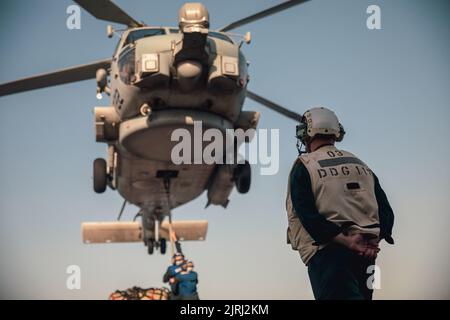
(172, 271)
(337, 211)
(186, 282)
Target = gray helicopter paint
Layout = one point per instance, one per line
(136, 171)
(127, 99)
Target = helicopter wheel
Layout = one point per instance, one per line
(100, 177)
(243, 175)
(150, 246)
(163, 246)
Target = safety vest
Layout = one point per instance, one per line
(343, 189)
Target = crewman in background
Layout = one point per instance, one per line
(176, 267)
(186, 282)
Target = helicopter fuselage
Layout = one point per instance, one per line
(152, 95)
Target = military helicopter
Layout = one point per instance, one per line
(160, 79)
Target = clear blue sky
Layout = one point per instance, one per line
(390, 88)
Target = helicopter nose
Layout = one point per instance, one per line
(189, 69)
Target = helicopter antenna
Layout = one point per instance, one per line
(122, 209)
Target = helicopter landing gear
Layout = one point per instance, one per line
(242, 176)
(153, 245)
(150, 246)
(100, 175)
(163, 246)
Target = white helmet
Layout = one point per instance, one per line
(319, 120)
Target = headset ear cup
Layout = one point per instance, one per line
(301, 132)
(341, 133)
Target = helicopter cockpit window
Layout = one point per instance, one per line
(117, 47)
(127, 65)
(212, 34)
(219, 35)
(143, 33)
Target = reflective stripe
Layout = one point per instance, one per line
(338, 161)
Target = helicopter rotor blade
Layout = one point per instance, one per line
(73, 74)
(274, 106)
(109, 11)
(262, 14)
